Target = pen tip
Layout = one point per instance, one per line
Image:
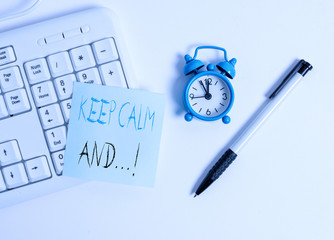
(195, 195)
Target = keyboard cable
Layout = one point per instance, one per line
(21, 13)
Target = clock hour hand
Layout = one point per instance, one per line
(207, 86)
(206, 91)
(207, 95)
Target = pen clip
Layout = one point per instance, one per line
(302, 67)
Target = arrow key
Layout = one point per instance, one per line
(15, 175)
(2, 183)
(38, 169)
(9, 152)
(51, 116)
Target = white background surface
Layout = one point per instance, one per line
(282, 184)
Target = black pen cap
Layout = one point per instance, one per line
(304, 68)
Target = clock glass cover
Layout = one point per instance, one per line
(209, 96)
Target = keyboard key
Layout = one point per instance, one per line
(66, 106)
(112, 74)
(51, 116)
(105, 50)
(56, 138)
(37, 169)
(15, 175)
(10, 79)
(2, 183)
(60, 64)
(89, 76)
(64, 86)
(3, 108)
(9, 153)
(7, 55)
(58, 161)
(17, 101)
(37, 71)
(44, 93)
(82, 57)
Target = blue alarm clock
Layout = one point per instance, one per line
(209, 95)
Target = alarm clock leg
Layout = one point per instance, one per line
(226, 119)
(188, 117)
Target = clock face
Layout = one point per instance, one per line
(209, 96)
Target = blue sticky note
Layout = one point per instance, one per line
(114, 134)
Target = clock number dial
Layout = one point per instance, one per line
(208, 81)
(209, 96)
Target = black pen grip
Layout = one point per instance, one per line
(221, 165)
(217, 170)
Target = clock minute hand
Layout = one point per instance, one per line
(198, 97)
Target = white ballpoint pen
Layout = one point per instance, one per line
(289, 82)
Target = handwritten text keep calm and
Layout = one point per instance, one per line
(114, 134)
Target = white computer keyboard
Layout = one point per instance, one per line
(38, 65)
